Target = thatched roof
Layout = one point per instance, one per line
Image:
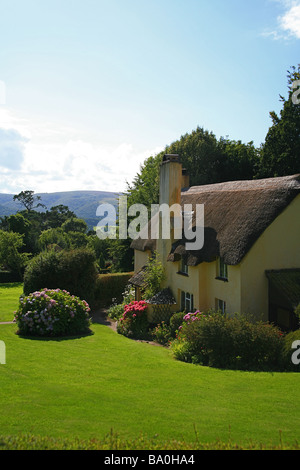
(236, 214)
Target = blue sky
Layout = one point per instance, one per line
(93, 87)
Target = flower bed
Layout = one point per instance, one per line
(133, 323)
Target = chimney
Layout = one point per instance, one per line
(169, 194)
(170, 180)
(185, 181)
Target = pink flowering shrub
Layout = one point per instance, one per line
(52, 312)
(232, 342)
(190, 317)
(133, 323)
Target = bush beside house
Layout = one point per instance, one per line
(215, 340)
(229, 342)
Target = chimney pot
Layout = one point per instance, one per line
(171, 158)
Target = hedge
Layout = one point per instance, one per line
(72, 270)
(110, 288)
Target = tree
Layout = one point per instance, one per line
(74, 225)
(240, 162)
(19, 224)
(280, 153)
(57, 216)
(206, 159)
(11, 257)
(121, 255)
(145, 187)
(201, 156)
(28, 200)
(52, 237)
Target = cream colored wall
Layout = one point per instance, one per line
(202, 283)
(140, 259)
(179, 282)
(277, 248)
(228, 291)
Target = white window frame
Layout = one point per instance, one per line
(187, 301)
(221, 305)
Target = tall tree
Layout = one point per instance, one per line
(11, 257)
(28, 200)
(280, 153)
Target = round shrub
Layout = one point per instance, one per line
(51, 313)
(71, 270)
(176, 321)
(134, 323)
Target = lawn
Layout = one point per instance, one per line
(9, 299)
(84, 387)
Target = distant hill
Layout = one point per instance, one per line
(83, 203)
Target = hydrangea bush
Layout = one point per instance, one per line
(134, 323)
(52, 312)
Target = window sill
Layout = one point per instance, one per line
(182, 274)
(224, 279)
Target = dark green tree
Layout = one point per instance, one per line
(144, 188)
(19, 224)
(74, 225)
(280, 153)
(57, 215)
(11, 256)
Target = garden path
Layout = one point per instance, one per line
(100, 316)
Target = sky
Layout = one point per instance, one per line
(91, 88)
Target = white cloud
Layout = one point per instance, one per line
(58, 159)
(288, 23)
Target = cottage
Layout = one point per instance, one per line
(250, 260)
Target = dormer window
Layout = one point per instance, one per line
(222, 272)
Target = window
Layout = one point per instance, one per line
(222, 270)
(184, 269)
(187, 301)
(221, 305)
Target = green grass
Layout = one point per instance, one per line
(84, 387)
(9, 300)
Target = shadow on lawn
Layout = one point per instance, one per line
(56, 338)
(9, 285)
